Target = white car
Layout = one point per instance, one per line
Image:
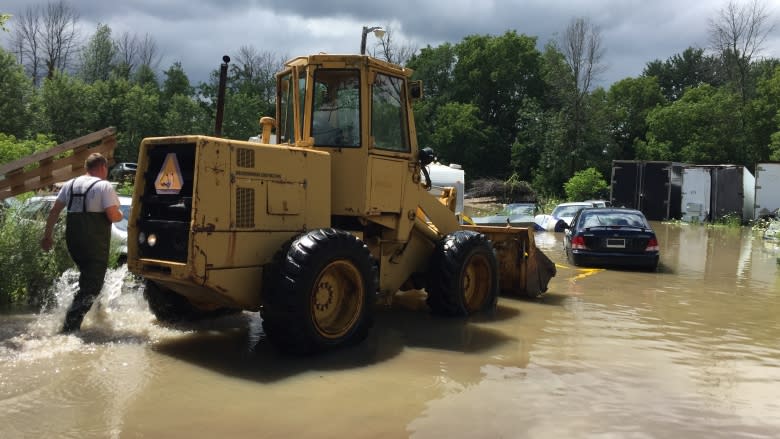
(561, 216)
(37, 208)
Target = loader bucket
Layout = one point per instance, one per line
(523, 269)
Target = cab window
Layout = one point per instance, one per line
(388, 114)
(336, 108)
(286, 99)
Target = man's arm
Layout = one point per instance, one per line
(113, 213)
(51, 220)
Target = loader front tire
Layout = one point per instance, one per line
(463, 275)
(322, 295)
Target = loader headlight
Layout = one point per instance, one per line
(150, 240)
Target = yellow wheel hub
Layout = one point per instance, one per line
(476, 282)
(337, 299)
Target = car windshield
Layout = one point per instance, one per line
(567, 211)
(612, 219)
(518, 210)
(36, 209)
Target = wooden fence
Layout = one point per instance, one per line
(43, 170)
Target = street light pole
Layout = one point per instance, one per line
(378, 32)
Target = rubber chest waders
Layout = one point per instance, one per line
(88, 235)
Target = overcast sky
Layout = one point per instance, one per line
(198, 32)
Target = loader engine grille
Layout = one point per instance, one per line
(245, 158)
(166, 215)
(245, 207)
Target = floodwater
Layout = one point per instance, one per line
(691, 351)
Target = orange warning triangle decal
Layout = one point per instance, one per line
(169, 180)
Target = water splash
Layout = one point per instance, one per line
(119, 314)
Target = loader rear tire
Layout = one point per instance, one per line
(170, 307)
(463, 275)
(322, 293)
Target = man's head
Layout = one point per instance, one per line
(96, 165)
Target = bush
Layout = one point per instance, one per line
(26, 271)
(513, 190)
(585, 184)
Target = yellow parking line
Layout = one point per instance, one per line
(584, 272)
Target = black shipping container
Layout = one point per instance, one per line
(626, 193)
(655, 188)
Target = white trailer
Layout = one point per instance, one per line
(448, 176)
(767, 188)
(696, 193)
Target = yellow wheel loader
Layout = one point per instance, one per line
(324, 216)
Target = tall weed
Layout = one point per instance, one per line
(26, 271)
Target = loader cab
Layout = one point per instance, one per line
(358, 109)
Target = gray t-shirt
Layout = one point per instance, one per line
(100, 197)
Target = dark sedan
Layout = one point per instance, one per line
(611, 237)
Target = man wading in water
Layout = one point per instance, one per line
(92, 206)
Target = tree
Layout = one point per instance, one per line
(16, 94)
(683, 71)
(133, 53)
(698, 128)
(27, 42)
(68, 107)
(582, 54)
(460, 136)
(3, 20)
(629, 101)
(253, 73)
(176, 82)
(764, 119)
(737, 35)
(60, 36)
(497, 74)
(395, 53)
(585, 184)
(97, 57)
(184, 116)
(140, 118)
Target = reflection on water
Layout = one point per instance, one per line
(689, 351)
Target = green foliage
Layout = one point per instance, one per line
(13, 149)
(97, 57)
(3, 20)
(27, 272)
(629, 102)
(731, 220)
(460, 136)
(67, 107)
(585, 184)
(683, 71)
(16, 96)
(140, 118)
(698, 128)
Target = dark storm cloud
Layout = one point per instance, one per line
(199, 32)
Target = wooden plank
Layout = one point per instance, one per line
(51, 171)
(59, 149)
(47, 174)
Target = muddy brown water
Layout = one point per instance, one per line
(691, 351)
